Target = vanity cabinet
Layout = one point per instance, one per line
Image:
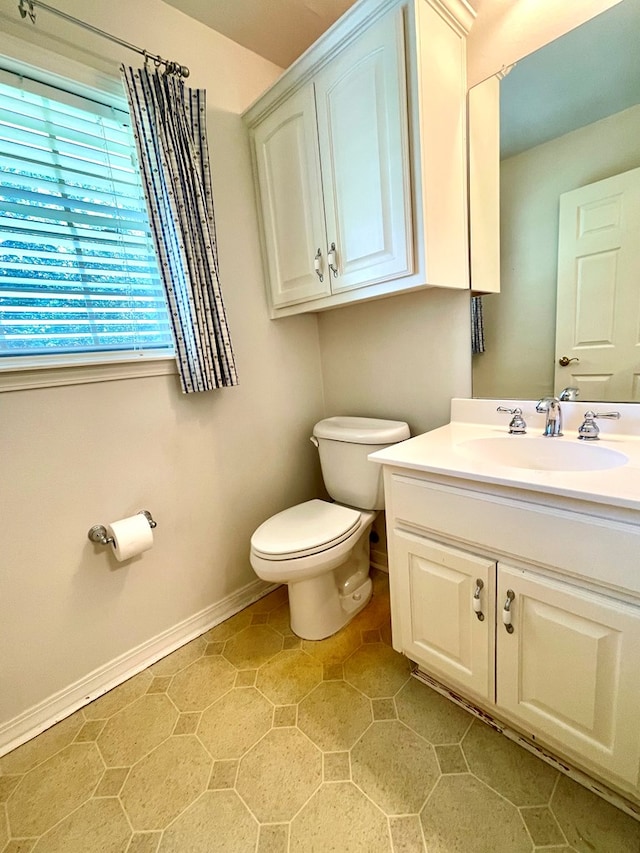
(487, 605)
(360, 162)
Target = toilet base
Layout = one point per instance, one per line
(321, 606)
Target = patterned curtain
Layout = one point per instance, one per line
(477, 325)
(169, 122)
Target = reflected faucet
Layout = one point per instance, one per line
(553, 424)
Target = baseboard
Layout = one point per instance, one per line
(45, 714)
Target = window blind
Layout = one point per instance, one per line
(78, 272)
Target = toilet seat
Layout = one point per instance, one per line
(303, 530)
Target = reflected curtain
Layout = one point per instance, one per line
(169, 122)
(477, 325)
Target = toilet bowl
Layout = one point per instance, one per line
(320, 549)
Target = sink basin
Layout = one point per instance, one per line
(541, 454)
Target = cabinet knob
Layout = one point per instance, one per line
(331, 258)
(477, 604)
(506, 611)
(317, 265)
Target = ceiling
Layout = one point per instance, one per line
(279, 30)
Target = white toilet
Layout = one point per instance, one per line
(321, 549)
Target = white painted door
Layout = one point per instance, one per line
(569, 670)
(288, 165)
(440, 628)
(598, 304)
(361, 104)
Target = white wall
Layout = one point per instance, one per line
(210, 467)
(401, 358)
(520, 321)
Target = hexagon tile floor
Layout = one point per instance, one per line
(249, 739)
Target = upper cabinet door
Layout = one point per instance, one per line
(362, 124)
(288, 167)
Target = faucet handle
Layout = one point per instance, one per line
(517, 426)
(589, 430)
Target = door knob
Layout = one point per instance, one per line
(565, 360)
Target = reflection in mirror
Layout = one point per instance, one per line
(570, 118)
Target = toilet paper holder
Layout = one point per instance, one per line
(98, 533)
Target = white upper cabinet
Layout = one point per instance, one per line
(359, 160)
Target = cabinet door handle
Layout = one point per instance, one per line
(477, 604)
(506, 611)
(317, 265)
(331, 258)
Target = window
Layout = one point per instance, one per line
(78, 272)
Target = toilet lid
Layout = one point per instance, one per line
(304, 529)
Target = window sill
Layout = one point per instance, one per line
(51, 374)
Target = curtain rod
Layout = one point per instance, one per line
(170, 67)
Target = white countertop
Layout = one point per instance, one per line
(439, 451)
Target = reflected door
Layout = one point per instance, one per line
(598, 307)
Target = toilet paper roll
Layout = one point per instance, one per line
(131, 536)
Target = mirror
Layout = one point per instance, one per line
(570, 117)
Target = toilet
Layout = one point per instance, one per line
(320, 549)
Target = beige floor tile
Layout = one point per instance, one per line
(229, 628)
(518, 775)
(55, 788)
(178, 660)
(375, 614)
(90, 731)
(217, 818)
(98, 825)
(111, 783)
(394, 767)
(289, 677)
(543, 827)
(377, 670)
(187, 723)
(335, 649)
(137, 729)
(144, 842)
(336, 767)
(223, 775)
(280, 620)
(334, 715)
(4, 829)
(118, 698)
(406, 834)
(590, 824)
(384, 709)
(7, 786)
(274, 838)
(293, 767)
(431, 715)
(271, 601)
(259, 618)
(214, 648)
(246, 678)
(291, 643)
(285, 715)
(37, 750)
(20, 845)
(165, 782)
(451, 758)
(332, 672)
(201, 683)
(235, 722)
(160, 684)
(253, 646)
(463, 814)
(339, 818)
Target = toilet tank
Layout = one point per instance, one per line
(344, 444)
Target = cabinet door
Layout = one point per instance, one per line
(288, 166)
(361, 103)
(570, 669)
(440, 629)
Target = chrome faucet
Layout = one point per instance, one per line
(553, 424)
